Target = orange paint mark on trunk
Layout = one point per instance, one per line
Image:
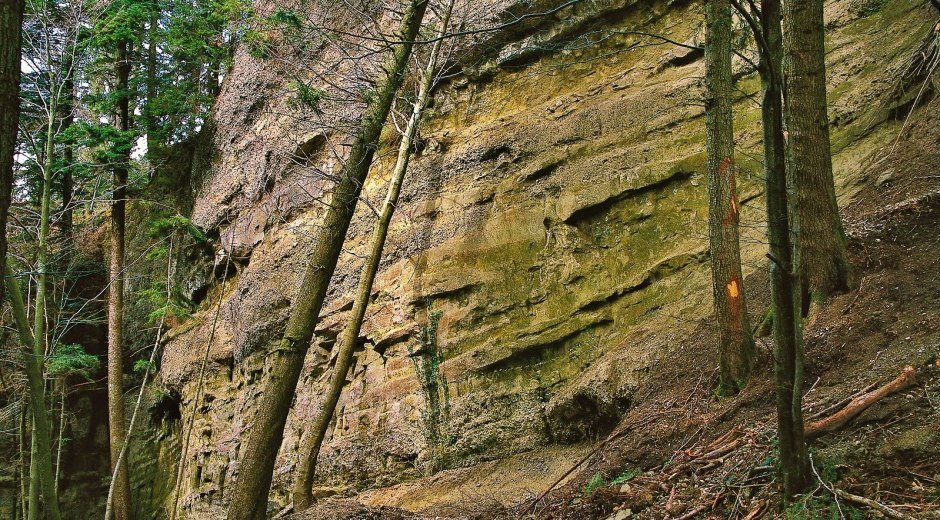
(725, 164)
(733, 214)
(735, 314)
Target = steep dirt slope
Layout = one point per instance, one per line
(551, 241)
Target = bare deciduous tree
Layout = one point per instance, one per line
(249, 499)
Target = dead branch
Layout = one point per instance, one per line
(702, 508)
(669, 501)
(693, 513)
(755, 512)
(832, 408)
(722, 450)
(877, 506)
(860, 404)
(721, 439)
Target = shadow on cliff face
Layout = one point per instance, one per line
(586, 415)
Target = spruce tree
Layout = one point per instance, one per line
(735, 343)
(823, 259)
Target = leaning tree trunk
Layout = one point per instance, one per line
(735, 343)
(785, 295)
(250, 495)
(313, 438)
(41, 460)
(11, 25)
(823, 260)
(122, 498)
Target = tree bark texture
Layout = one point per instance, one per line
(11, 27)
(788, 348)
(122, 499)
(735, 343)
(824, 264)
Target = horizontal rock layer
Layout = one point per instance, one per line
(549, 244)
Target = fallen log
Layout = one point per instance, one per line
(860, 404)
(877, 506)
(841, 404)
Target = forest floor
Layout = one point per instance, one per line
(682, 453)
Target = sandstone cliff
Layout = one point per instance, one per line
(549, 249)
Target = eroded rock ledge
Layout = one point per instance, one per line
(550, 234)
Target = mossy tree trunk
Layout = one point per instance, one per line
(823, 260)
(735, 343)
(313, 437)
(11, 27)
(41, 458)
(785, 294)
(122, 499)
(250, 494)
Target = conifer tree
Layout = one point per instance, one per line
(735, 343)
(122, 157)
(823, 259)
(11, 27)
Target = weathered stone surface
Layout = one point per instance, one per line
(553, 227)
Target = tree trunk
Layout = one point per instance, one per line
(60, 445)
(788, 347)
(109, 501)
(313, 438)
(11, 26)
(37, 482)
(214, 64)
(735, 343)
(68, 152)
(153, 33)
(122, 499)
(32, 360)
(32, 510)
(22, 468)
(249, 498)
(824, 264)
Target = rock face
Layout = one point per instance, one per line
(549, 245)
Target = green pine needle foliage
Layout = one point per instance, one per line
(70, 359)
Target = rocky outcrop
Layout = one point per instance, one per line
(549, 245)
